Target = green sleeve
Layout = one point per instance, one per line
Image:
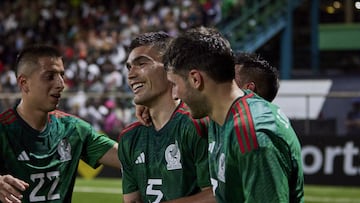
(264, 173)
(96, 144)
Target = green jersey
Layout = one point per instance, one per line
(165, 164)
(48, 160)
(255, 156)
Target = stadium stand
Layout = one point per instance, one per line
(93, 35)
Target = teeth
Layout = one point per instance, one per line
(137, 85)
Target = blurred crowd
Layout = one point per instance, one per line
(93, 35)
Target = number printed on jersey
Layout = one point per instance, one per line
(40, 180)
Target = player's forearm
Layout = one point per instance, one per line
(111, 158)
(205, 196)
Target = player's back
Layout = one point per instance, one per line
(255, 150)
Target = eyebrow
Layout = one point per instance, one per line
(53, 72)
(139, 58)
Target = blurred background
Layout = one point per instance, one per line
(314, 43)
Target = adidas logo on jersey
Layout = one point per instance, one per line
(140, 159)
(23, 156)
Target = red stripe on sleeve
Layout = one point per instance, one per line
(128, 128)
(251, 124)
(244, 126)
(8, 117)
(237, 130)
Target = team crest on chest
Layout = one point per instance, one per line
(173, 157)
(221, 169)
(64, 150)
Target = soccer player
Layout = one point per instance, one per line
(167, 160)
(40, 147)
(256, 74)
(254, 153)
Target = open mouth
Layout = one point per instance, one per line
(136, 86)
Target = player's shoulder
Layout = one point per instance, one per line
(253, 104)
(66, 118)
(62, 115)
(131, 129)
(7, 117)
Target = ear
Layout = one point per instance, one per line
(251, 86)
(22, 83)
(196, 79)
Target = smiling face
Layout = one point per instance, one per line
(146, 76)
(43, 86)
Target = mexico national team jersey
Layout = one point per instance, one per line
(255, 156)
(48, 160)
(165, 164)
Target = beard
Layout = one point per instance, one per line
(198, 106)
(197, 113)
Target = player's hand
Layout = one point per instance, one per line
(143, 115)
(11, 188)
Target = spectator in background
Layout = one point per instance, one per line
(8, 85)
(87, 30)
(353, 118)
(8, 79)
(112, 125)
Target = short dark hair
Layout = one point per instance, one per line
(258, 70)
(28, 58)
(202, 48)
(159, 40)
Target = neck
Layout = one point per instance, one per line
(221, 97)
(35, 118)
(162, 111)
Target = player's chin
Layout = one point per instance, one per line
(52, 106)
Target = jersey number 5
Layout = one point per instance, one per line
(150, 191)
(40, 178)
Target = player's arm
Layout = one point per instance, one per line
(133, 197)
(205, 196)
(265, 174)
(11, 188)
(111, 158)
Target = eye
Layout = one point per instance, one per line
(142, 64)
(49, 76)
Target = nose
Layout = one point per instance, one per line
(60, 83)
(131, 72)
